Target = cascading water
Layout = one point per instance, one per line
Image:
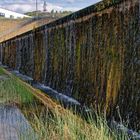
(91, 56)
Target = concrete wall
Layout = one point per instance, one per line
(91, 55)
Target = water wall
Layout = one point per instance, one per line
(91, 55)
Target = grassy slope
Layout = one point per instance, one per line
(20, 29)
(13, 91)
(6, 24)
(52, 125)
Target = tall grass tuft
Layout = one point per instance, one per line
(53, 125)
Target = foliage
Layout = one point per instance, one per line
(52, 14)
(54, 125)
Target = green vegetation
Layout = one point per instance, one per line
(2, 71)
(48, 124)
(52, 14)
(13, 91)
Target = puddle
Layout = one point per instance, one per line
(4, 132)
(13, 124)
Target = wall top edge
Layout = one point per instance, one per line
(98, 7)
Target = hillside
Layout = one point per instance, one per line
(52, 14)
(6, 24)
(20, 27)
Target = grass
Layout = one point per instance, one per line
(1, 71)
(56, 124)
(13, 91)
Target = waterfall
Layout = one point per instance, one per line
(91, 55)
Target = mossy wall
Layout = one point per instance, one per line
(91, 55)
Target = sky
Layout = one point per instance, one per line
(22, 6)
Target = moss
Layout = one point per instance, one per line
(39, 55)
(91, 58)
